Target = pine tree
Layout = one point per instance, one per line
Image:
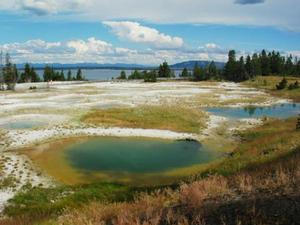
(249, 67)
(256, 65)
(241, 74)
(79, 75)
(34, 76)
(27, 77)
(150, 76)
(230, 67)
(212, 70)
(197, 73)
(164, 70)
(289, 66)
(69, 76)
(122, 75)
(184, 73)
(265, 63)
(48, 73)
(135, 75)
(10, 73)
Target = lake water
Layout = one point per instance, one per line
(127, 160)
(280, 111)
(97, 74)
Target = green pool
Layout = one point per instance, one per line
(135, 155)
(125, 160)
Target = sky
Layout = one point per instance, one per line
(146, 32)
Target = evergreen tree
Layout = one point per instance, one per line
(265, 63)
(211, 71)
(79, 75)
(48, 73)
(249, 67)
(69, 76)
(122, 75)
(135, 75)
(27, 77)
(10, 73)
(197, 73)
(150, 76)
(276, 63)
(230, 67)
(164, 70)
(34, 76)
(256, 65)
(184, 73)
(241, 71)
(62, 76)
(289, 66)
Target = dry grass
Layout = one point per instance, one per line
(213, 200)
(269, 83)
(188, 204)
(174, 118)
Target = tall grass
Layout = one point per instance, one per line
(193, 203)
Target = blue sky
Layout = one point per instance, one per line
(145, 32)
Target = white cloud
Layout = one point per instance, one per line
(94, 50)
(99, 51)
(43, 7)
(135, 32)
(211, 46)
(277, 13)
(91, 46)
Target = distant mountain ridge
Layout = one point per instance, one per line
(178, 66)
(85, 66)
(191, 64)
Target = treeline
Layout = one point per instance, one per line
(51, 75)
(237, 70)
(263, 64)
(147, 76)
(164, 71)
(10, 75)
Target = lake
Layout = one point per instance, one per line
(281, 111)
(137, 161)
(97, 74)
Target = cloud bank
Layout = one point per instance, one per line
(95, 50)
(135, 32)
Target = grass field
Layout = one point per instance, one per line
(269, 84)
(174, 118)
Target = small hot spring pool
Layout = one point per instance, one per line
(129, 160)
(281, 111)
(22, 124)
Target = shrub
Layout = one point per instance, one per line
(282, 84)
(150, 76)
(298, 123)
(294, 86)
